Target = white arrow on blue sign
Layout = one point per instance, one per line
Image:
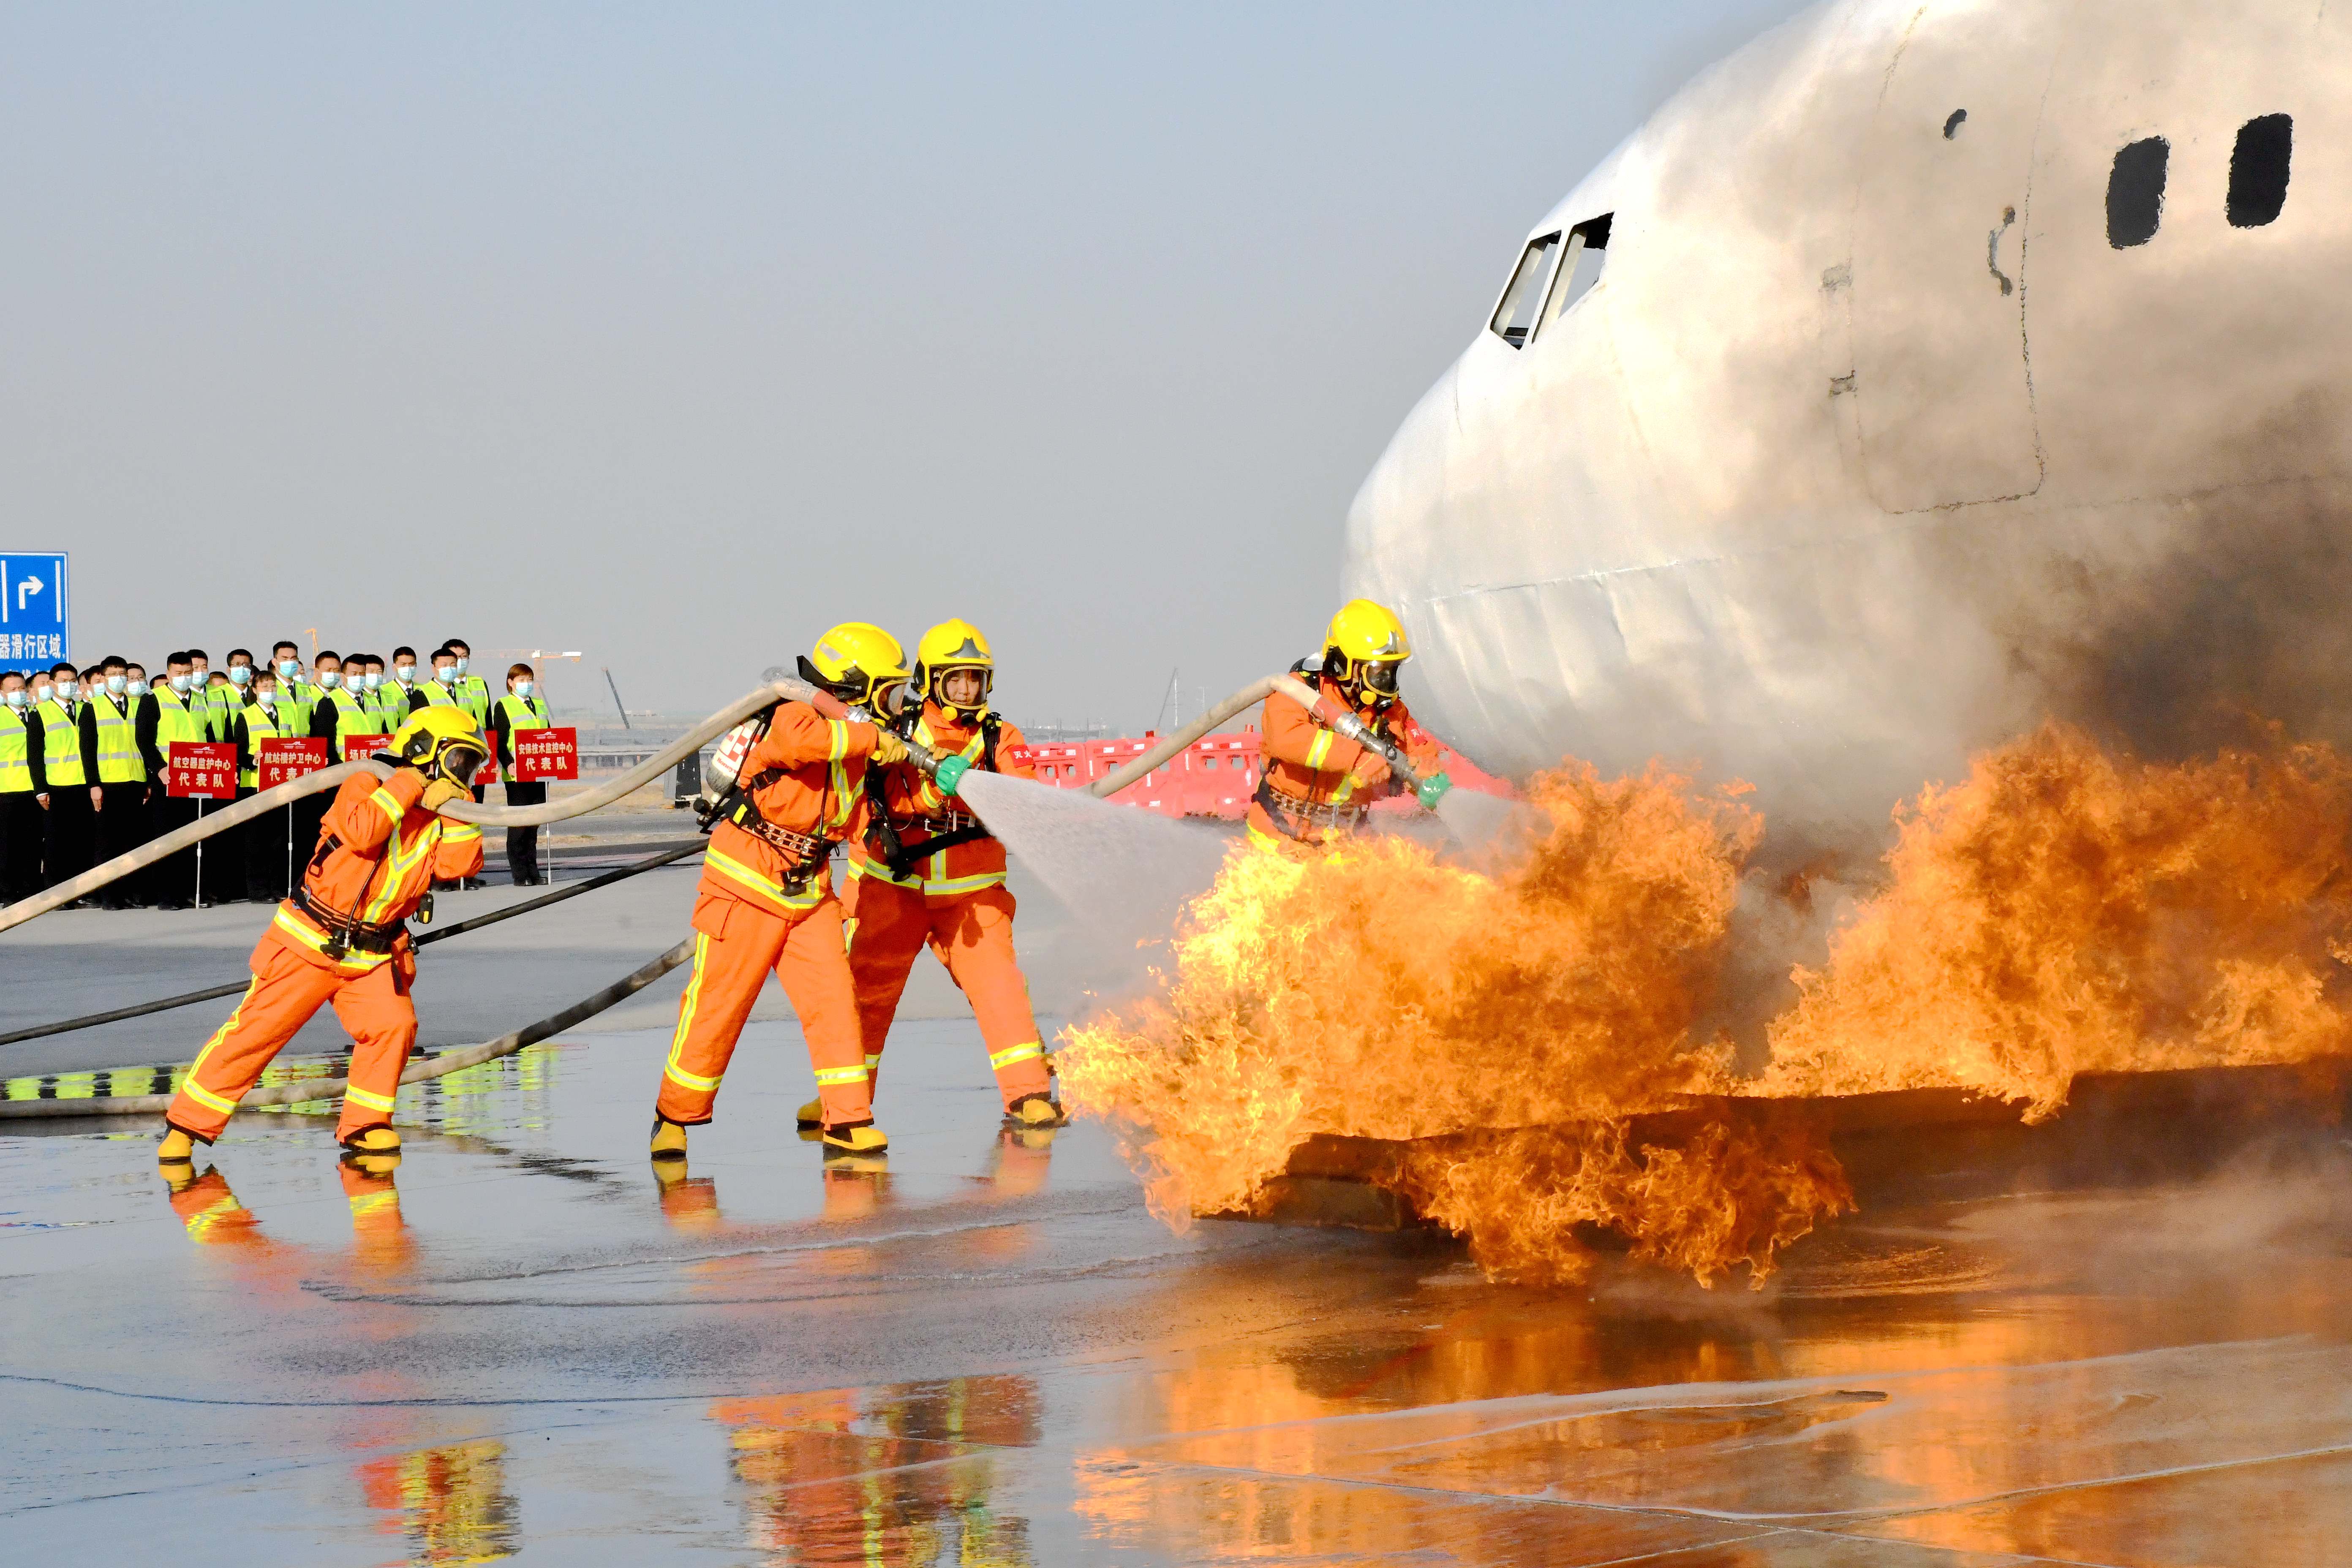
(33, 610)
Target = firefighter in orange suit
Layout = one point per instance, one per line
(925, 871)
(1316, 785)
(342, 938)
(766, 899)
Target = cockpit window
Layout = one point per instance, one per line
(1588, 250)
(1523, 301)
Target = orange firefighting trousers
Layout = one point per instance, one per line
(286, 991)
(736, 944)
(972, 935)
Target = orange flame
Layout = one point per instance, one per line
(1376, 991)
(2060, 911)
(1727, 1189)
(2057, 913)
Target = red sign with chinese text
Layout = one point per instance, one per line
(278, 761)
(358, 746)
(545, 755)
(201, 770)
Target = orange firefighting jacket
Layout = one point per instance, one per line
(1304, 761)
(916, 808)
(806, 776)
(379, 854)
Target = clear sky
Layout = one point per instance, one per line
(672, 333)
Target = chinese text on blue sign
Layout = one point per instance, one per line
(32, 610)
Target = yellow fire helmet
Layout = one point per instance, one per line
(954, 645)
(857, 662)
(1365, 648)
(443, 739)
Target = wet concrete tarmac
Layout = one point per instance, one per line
(524, 1344)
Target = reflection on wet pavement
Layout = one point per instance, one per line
(450, 1503)
(884, 1476)
(519, 1340)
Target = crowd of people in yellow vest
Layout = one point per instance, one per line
(84, 751)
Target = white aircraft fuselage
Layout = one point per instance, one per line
(1949, 366)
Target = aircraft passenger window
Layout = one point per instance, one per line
(1515, 318)
(1588, 249)
(2136, 192)
(2258, 169)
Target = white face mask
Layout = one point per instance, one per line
(240, 674)
(42, 693)
(66, 690)
(16, 698)
(372, 679)
(137, 689)
(445, 673)
(464, 664)
(118, 684)
(329, 680)
(405, 673)
(267, 699)
(522, 689)
(180, 683)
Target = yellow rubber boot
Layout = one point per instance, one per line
(380, 1163)
(373, 1141)
(1034, 1110)
(176, 1149)
(861, 1138)
(669, 1140)
(811, 1115)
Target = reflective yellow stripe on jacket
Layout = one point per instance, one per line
(734, 871)
(289, 925)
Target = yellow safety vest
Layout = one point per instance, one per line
(474, 696)
(259, 726)
(518, 709)
(297, 698)
(437, 695)
(118, 761)
(177, 719)
(220, 703)
(16, 772)
(60, 745)
(353, 717)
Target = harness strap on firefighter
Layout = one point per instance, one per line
(885, 833)
(807, 852)
(1283, 811)
(345, 932)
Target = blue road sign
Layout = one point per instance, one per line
(33, 611)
